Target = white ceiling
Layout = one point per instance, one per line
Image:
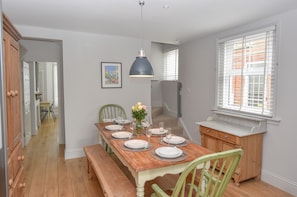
(183, 20)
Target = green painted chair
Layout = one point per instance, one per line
(111, 111)
(108, 113)
(206, 176)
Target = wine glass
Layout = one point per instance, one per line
(148, 133)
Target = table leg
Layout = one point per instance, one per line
(140, 190)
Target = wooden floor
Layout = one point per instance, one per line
(48, 174)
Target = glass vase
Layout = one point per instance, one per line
(139, 127)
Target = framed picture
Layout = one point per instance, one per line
(111, 75)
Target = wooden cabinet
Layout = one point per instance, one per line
(11, 51)
(251, 143)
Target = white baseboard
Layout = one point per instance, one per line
(74, 153)
(279, 182)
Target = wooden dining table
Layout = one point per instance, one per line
(144, 165)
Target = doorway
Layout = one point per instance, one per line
(40, 53)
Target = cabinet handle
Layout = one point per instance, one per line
(12, 93)
(16, 92)
(22, 185)
(226, 137)
(9, 93)
(207, 130)
(10, 181)
(21, 158)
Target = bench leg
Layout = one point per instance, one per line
(91, 172)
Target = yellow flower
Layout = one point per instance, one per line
(139, 111)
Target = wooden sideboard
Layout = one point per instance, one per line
(220, 135)
(15, 154)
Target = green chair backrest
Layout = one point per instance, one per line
(210, 179)
(111, 111)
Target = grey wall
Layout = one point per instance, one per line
(197, 73)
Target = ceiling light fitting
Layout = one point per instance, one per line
(141, 67)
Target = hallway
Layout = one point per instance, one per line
(46, 172)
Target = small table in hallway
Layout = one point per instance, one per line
(46, 105)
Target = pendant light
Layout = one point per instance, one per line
(141, 67)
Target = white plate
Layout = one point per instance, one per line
(113, 127)
(174, 140)
(136, 144)
(122, 121)
(169, 152)
(156, 131)
(121, 134)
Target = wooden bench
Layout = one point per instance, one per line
(113, 181)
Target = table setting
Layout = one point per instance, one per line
(168, 153)
(137, 145)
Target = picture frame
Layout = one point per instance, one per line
(111, 75)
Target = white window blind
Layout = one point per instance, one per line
(246, 73)
(171, 65)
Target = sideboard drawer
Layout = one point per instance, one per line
(227, 137)
(208, 131)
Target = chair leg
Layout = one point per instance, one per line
(53, 115)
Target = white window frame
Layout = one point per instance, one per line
(224, 88)
(173, 70)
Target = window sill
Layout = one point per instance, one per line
(273, 121)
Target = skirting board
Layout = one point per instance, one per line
(279, 182)
(74, 153)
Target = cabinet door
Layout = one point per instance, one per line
(209, 142)
(13, 101)
(227, 146)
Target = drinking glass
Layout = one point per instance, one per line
(161, 127)
(168, 134)
(148, 133)
(149, 121)
(132, 127)
(120, 120)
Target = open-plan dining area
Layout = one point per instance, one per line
(205, 108)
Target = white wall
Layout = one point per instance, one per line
(83, 95)
(197, 73)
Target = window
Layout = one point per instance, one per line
(246, 73)
(171, 65)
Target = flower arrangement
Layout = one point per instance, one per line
(139, 111)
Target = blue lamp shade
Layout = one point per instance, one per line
(141, 67)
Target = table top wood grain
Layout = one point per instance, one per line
(143, 160)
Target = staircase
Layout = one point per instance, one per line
(169, 121)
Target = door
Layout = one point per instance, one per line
(27, 103)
